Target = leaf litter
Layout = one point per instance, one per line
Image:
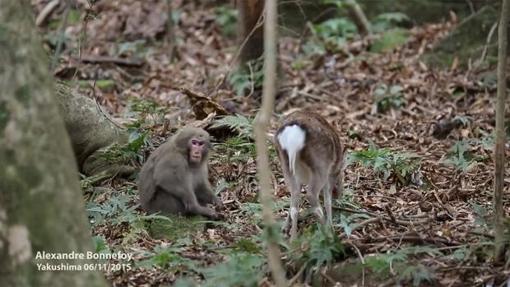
(443, 118)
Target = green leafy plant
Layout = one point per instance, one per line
(317, 247)
(473, 252)
(487, 142)
(144, 108)
(389, 40)
(146, 113)
(137, 48)
(301, 63)
(100, 244)
(348, 199)
(241, 147)
(238, 122)
(382, 264)
(168, 258)
(117, 153)
(403, 166)
(348, 222)
(460, 156)
(226, 18)
(106, 85)
(117, 210)
(248, 77)
(482, 216)
(240, 269)
(417, 274)
(333, 34)
(386, 97)
(237, 149)
(314, 47)
(396, 263)
(253, 210)
(248, 246)
(389, 20)
(335, 28)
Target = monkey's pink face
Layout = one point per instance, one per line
(197, 150)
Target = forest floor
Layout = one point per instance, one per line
(418, 187)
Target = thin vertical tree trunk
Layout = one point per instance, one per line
(251, 32)
(170, 31)
(41, 205)
(499, 152)
(261, 124)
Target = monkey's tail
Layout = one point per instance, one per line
(292, 139)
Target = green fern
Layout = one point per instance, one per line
(168, 258)
(417, 274)
(241, 269)
(247, 77)
(397, 262)
(462, 155)
(316, 247)
(403, 166)
(238, 122)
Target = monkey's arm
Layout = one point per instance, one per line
(203, 189)
(173, 178)
(205, 194)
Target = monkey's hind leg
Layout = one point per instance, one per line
(191, 205)
(165, 203)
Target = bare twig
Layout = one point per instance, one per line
(366, 222)
(359, 18)
(412, 238)
(112, 60)
(362, 260)
(471, 6)
(404, 222)
(261, 124)
(298, 274)
(46, 12)
(82, 39)
(237, 54)
(61, 35)
(487, 43)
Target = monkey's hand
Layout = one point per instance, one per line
(217, 202)
(215, 215)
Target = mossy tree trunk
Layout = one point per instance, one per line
(41, 207)
(92, 133)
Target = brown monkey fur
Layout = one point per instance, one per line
(318, 162)
(172, 181)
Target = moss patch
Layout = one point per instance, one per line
(4, 116)
(23, 94)
(176, 227)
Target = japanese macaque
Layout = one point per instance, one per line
(310, 153)
(174, 180)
